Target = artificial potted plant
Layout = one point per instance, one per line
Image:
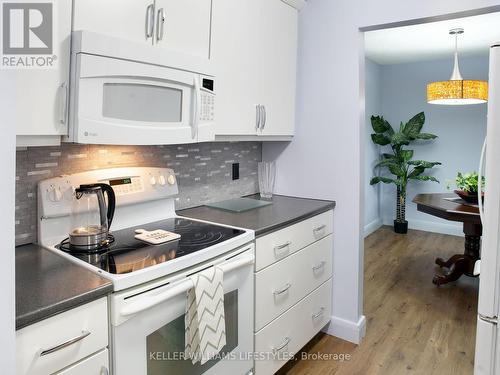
(399, 161)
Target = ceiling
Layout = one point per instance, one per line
(431, 41)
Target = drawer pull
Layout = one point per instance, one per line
(104, 371)
(319, 229)
(282, 346)
(65, 344)
(282, 290)
(319, 313)
(320, 266)
(277, 249)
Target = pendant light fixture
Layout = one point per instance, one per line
(457, 91)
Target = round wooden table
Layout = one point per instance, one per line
(459, 264)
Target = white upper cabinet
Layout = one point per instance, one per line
(254, 51)
(186, 26)
(234, 49)
(278, 51)
(42, 94)
(182, 26)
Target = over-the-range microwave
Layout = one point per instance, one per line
(122, 92)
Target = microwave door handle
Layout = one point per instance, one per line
(196, 108)
(150, 20)
(183, 286)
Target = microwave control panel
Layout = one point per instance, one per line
(207, 100)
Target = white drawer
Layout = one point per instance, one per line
(98, 364)
(284, 337)
(86, 325)
(277, 245)
(280, 286)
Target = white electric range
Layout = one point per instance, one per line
(150, 281)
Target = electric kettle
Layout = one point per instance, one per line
(91, 217)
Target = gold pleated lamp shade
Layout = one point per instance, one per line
(457, 92)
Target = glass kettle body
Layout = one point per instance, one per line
(91, 216)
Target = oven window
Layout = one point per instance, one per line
(137, 102)
(166, 344)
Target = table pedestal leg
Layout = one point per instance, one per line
(461, 264)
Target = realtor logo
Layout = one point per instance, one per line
(28, 35)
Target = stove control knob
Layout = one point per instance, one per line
(152, 180)
(162, 181)
(171, 179)
(55, 195)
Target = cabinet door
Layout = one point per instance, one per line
(184, 26)
(42, 93)
(126, 19)
(234, 52)
(278, 55)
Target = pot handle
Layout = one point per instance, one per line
(108, 190)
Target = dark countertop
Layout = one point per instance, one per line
(47, 284)
(283, 212)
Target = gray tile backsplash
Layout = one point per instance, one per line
(203, 171)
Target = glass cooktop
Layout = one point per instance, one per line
(127, 254)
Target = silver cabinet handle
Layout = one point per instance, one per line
(282, 346)
(160, 24)
(264, 117)
(150, 20)
(257, 117)
(319, 229)
(282, 290)
(277, 249)
(64, 103)
(104, 371)
(319, 266)
(65, 344)
(318, 314)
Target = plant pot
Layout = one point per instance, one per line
(468, 197)
(401, 227)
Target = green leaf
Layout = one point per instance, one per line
(417, 171)
(389, 156)
(399, 139)
(425, 136)
(385, 180)
(424, 178)
(414, 125)
(386, 163)
(380, 125)
(423, 163)
(396, 170)
(406, 155)
(380, 139)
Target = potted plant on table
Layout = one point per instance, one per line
(467, 186)
(399, 161)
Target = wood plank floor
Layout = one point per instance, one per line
(413, 327)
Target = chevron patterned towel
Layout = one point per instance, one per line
(205, 323)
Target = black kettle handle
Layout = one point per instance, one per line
(108, 190)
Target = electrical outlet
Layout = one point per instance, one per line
(236, 171)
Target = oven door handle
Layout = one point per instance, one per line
(183, 286)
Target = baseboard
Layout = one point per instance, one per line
(372, 227)
(453, 229)
(346, 329)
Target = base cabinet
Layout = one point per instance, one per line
(293, 289)
(65, 341)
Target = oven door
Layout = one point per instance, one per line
(116, 101)
(148, 325)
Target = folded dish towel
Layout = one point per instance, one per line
(205, 323)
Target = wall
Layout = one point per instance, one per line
(203, 171)
(373, 101)
(325, 160)
(461, 131)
